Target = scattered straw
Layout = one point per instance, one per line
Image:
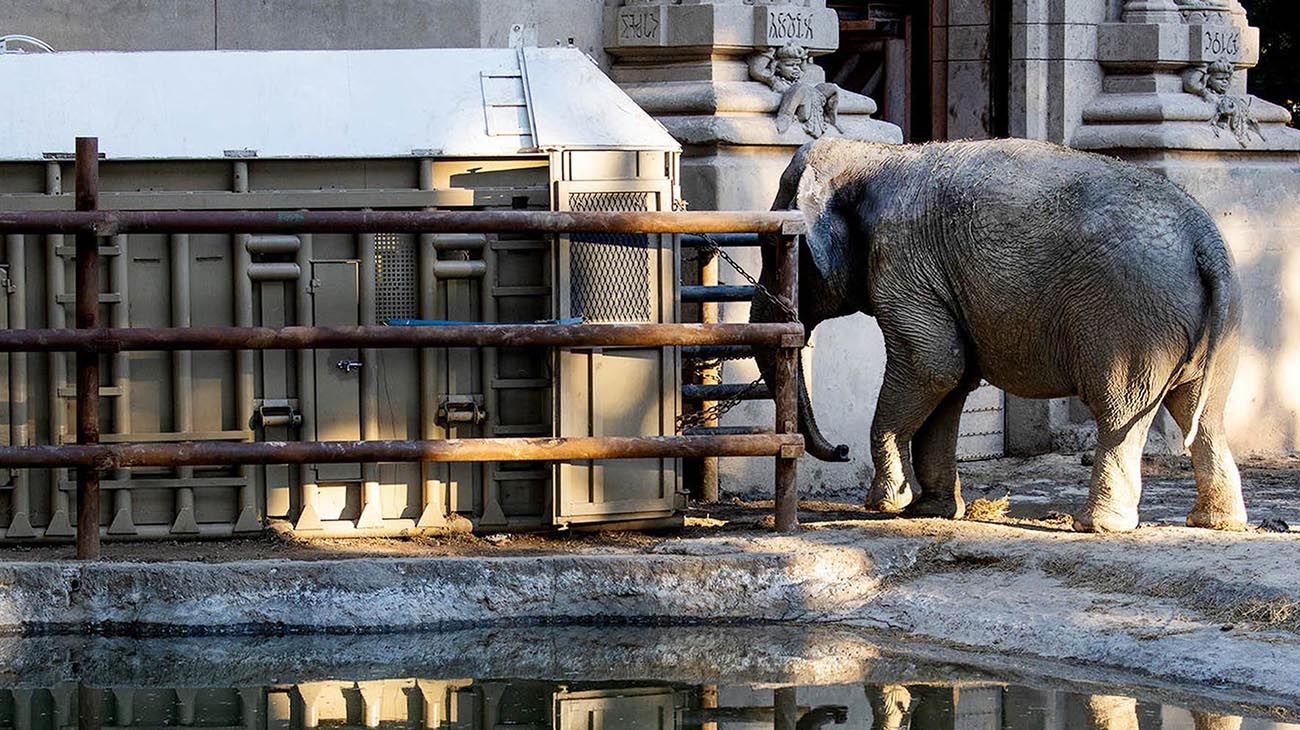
(989, 510)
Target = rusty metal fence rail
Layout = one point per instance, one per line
(89, 340)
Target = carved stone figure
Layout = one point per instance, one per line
(1232, 113)
(1046, 271)
(805, 95)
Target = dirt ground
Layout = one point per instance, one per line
(1040, 493)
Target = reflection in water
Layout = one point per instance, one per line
(498, 704)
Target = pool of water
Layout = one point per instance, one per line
(668, 678)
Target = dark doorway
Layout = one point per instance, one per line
(884, 53)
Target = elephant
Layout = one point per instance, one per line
(1046, 271)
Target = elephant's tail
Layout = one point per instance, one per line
(1214, 264)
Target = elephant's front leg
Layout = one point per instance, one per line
(919, 375)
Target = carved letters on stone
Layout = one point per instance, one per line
(789, 25)
(640, 26)
(805, 95)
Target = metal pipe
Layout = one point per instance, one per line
(710, 376)
(87, 317)
(433, 513)
(725, 430)
(727, 240)
(492, 514)
(371, 509)
(724, 391)
(274, 271)
(184, 521)
(214, 453)
(56, 317)
(771, 334)
(109, 223)
(243, 260)
(123, 523)
(785, 386)
(459, 242)
(727, 293)
(308, 514)
(724, 352)
(460, 269)
(274, 245)
(20, 523)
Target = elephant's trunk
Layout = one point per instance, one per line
(815, 444)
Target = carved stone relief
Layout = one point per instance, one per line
(805, 94)
(1212, 83)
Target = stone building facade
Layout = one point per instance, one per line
(742, 83)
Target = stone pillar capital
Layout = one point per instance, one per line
(1151, 11)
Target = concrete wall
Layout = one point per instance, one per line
(1256, 201)
(304, 24)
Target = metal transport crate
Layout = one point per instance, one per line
(500, 129)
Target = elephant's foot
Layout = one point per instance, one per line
(949, 509)
(1217, 519)
(891, 499)
(1097, 519)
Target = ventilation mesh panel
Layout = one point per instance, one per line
(396, 277)
(610, 272)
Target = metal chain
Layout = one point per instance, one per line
(763, 291)
(701, 417)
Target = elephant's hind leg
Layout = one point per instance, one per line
(1219, 504)
(934, 458)
(1116, 484)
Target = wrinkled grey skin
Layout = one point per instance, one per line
(1046, 271)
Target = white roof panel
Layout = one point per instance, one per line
(332, 104)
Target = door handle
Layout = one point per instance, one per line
(348, 366)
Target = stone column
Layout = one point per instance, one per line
(1175, 100)
(735, 82)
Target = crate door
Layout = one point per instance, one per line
(337, 369)
(615, 391)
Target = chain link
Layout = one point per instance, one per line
(763, 291)
(702, 417)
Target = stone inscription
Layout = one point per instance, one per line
(1220, 42)
(639, 26)
(784, 25)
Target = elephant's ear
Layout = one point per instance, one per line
(825, 211)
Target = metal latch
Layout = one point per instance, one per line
(278, 412)
(349, 366)
(459, 410)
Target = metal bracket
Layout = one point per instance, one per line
(349, 366)
(459, 410)
(794, 342)
(791, 451)
(273, 412)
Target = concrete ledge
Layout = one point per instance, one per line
(1177, 604)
